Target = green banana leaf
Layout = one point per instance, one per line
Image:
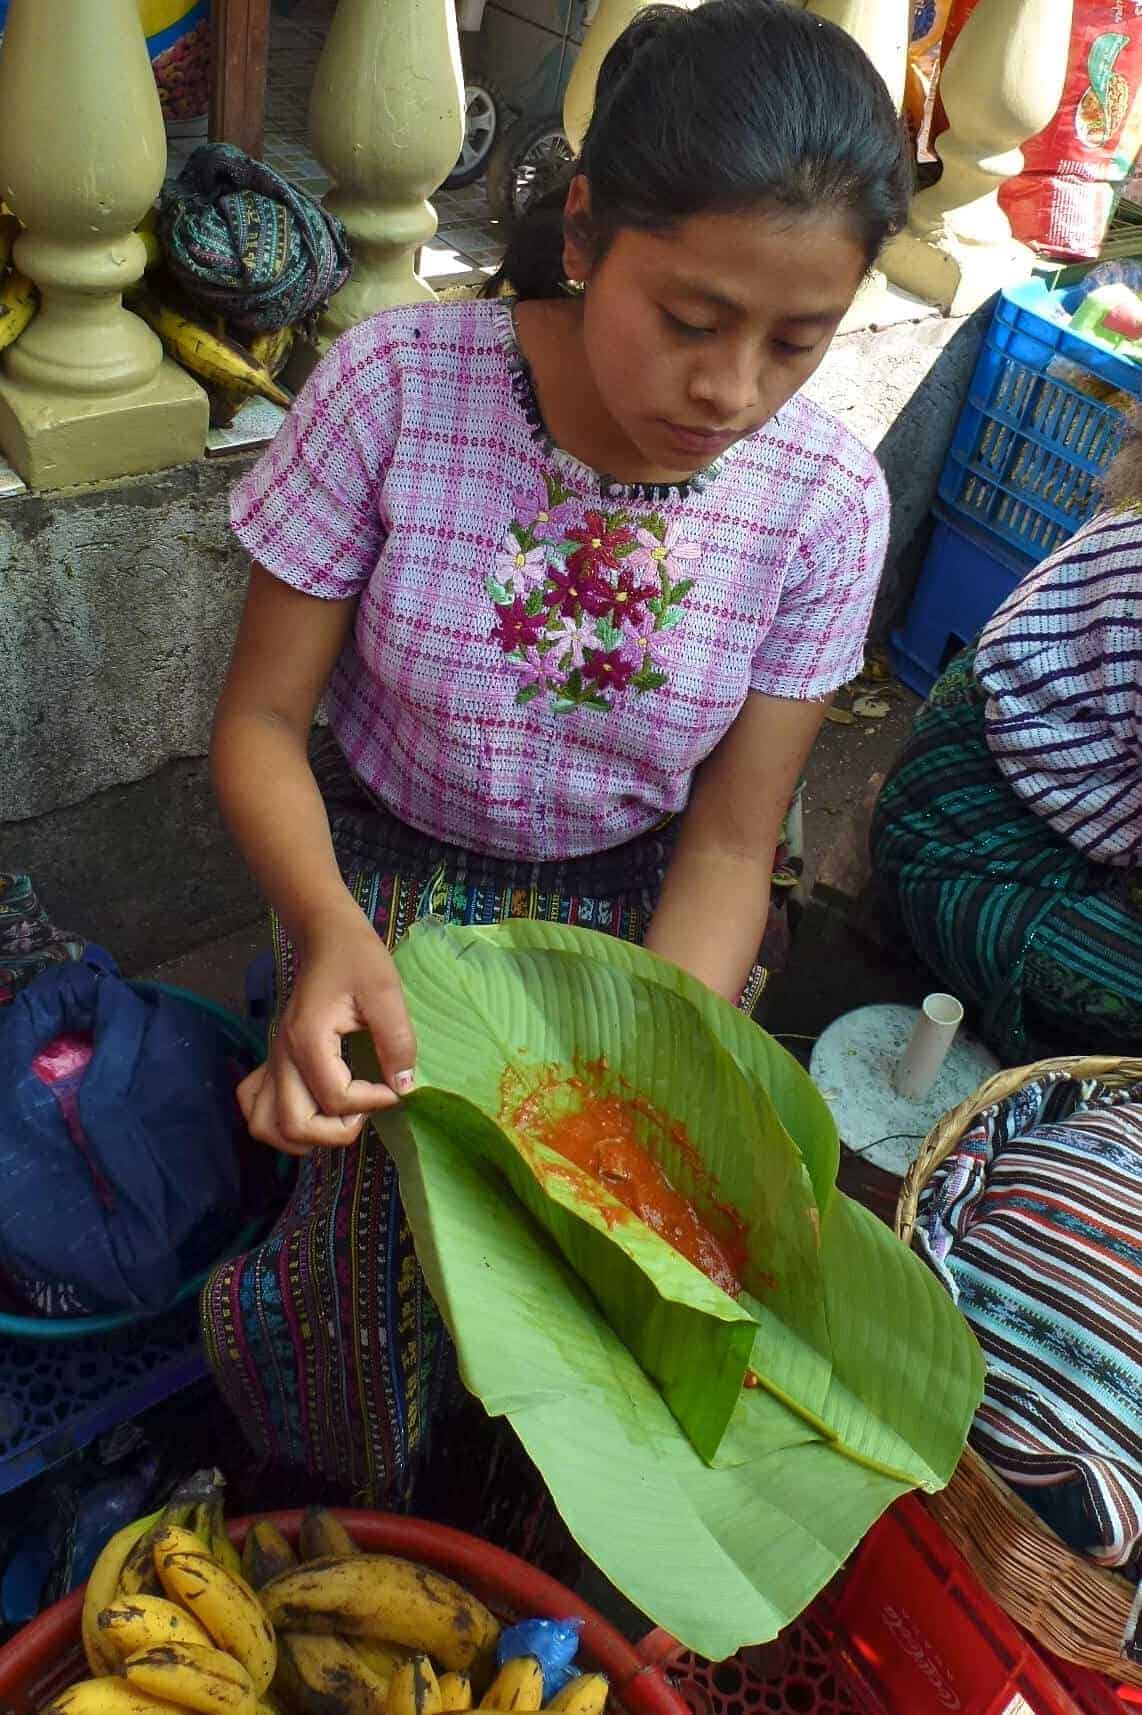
(719, 1511)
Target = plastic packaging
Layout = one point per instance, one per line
(1075, 169)
(553, 1643)
(179, 43)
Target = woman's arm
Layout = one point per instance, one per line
(715, 899)
(287, 645)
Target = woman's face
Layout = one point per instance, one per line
(696, 336)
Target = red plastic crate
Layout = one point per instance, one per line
(909, 1630)
(927, 1638)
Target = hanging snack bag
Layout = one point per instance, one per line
(1075, 169)
(178, 40)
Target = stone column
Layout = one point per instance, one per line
(608, 24)
(85, 394)
(386, 121)
(1002, 84)
(882, 27)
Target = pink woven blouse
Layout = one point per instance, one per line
(541, 657)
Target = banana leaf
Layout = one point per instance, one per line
(718, 1510)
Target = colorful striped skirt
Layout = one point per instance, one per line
(1010, 917)
(323, 1339)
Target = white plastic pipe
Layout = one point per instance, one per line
(918, 1067)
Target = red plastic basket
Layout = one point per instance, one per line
(47, 1655)
(908, 1630)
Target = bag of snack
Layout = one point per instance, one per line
(1075, 169)
(178, 40)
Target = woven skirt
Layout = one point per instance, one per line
(323, 1339)
(1045, 943)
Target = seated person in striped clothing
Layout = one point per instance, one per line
(1009, 834)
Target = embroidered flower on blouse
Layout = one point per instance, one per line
(521, 569)
(515, 627)
(585, 600)
(667, 551)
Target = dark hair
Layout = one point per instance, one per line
(738, 104)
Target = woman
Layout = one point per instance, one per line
(576, 572)
(1010, 832)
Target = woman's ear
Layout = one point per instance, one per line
(578, 250)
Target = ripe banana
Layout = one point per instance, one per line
(141, 1622)
(100, 1592)
(586, 1695)
(414, 1689)
(323, 1536)
(19, 301)
(221, 1601)
(323, 1676)
(139, 1575)
(272, 349)
(381, 1596)
(208, 1522)
(106, 1697)
(517, 1686)
(265, 1553)
(455, 1693)
(384, 1659)
(194, 1676)
(211, 356)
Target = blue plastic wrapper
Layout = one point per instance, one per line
(553, 1643)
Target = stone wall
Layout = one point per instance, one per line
(117, 610)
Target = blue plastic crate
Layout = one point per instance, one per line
(60, 1396)
(965, 576)
(1030, 450)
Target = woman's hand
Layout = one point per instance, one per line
(305, 1094)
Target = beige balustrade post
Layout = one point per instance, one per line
(882, 27)
(1002, 84)
(386, 121)
(606, 26)
(85, 394)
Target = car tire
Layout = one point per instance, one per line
(527, 161)
(484, 112)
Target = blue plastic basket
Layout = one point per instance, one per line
(965, 576)
(57, 1397)
(1029, 450)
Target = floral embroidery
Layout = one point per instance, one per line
(585, 600)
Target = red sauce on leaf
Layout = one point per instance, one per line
(600, 1134)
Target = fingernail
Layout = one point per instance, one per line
(403, 1083)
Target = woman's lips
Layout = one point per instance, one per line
(706, 442)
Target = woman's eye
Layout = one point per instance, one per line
(687, 327)
(787, 346)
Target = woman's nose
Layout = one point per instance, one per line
(728, 384)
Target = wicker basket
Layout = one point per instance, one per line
(1079, 1610)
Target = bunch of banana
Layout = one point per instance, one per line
(174, 1619)
(168, 1620)
(220, 363)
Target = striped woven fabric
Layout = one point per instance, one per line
(244, 242)
(1035, 1227)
